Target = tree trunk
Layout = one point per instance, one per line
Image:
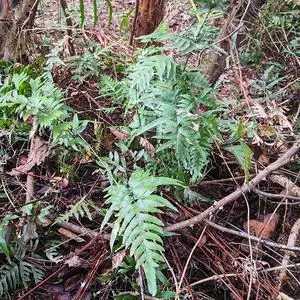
(15, 16)
(235, 11)
(149, 14)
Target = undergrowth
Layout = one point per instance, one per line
(172, 124)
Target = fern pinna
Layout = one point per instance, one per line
(134, 205)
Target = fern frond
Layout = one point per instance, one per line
(149, 68)
(78, 210)
(52, 251)
(15, 275)
(134, 204)
(112, 88)
(175, 106)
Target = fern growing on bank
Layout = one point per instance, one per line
(134, 205)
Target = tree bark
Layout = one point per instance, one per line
(237, 11)
(149, 15)
(5, 21)
(15, 16)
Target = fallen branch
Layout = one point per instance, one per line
(281, 161)
(291, 243)
(199, 218)
(276, 196)
(29, 196)
(253, 238)
(290, 186)
(82, 230)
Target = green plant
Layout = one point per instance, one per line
(275, 33)
(4, 232)
(267, 84)
(39, 99)
(17, 271)
(80, 209)
(133, 203)
(95, 6)
(198, 37)
(87, 65)
(175, 107)
(18, 274)
(124, 26)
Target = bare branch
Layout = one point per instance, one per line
(281, 161)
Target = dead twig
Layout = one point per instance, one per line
(190, 257)
(133, 29)
(287, 184)
(276, 196)
(82, 230)
(217, 277)
(219, 181)
(291, 243)
(281, 161)
(253, 238)
(29, 196)
(41, 283)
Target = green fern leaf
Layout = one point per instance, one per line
(14, 275)
(243, 154)
(79, 210)
(133, 204)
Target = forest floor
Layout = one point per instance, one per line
(210, 260)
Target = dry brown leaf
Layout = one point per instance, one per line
(37, 154)
(263, 229)
(147, 146)
(264, 159)
(74, 261)
(118, 258)
(143, 142)
(119, 134)
(70, 235)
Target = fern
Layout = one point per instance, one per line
(109, 87)
(177, 105)
(168, 100)
(198, 37)
(52, 251)
(39, 98)
(147, 69)
(18, 274)
(79, 210)
(134, 204)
